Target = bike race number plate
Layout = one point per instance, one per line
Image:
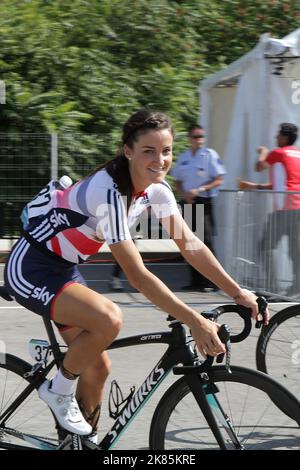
(38, 349)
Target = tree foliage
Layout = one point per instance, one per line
(80, 68)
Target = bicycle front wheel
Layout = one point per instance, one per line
(258, 408)
(31, 425)
(278, 348)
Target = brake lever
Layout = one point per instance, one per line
(224, 335)
(262, 305)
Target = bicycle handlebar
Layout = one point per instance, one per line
(243, 312)
(224, 334)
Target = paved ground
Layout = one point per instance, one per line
(130, 365)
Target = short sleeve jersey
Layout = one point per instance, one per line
(92, 212)
(289, 157)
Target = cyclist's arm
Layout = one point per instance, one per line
(204, 331)
(129, 258)
(202, 259)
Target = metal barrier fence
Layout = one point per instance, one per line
(29, 161)
(258, 240)
(25, 167)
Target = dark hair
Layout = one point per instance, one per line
(194, 127)
(289, 130)
(139, 123)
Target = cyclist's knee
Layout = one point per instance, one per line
(112, 324)
(116, 318)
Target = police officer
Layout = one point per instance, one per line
(198, 174)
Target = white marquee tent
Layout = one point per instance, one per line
(243, 104)
(241, 108)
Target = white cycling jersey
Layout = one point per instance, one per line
(82, 217)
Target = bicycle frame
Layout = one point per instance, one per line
(178, 352)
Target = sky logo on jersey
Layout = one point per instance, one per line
(57, 219)
(41, 293)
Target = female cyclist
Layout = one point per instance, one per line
(42, 273)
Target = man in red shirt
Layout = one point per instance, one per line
(289, 156)
(287, 220)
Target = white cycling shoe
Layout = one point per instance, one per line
(66, 410)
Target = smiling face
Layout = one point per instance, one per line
(150, 158)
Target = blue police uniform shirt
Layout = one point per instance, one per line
(199, 169)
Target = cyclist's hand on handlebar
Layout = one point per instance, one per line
(206, 337)
(249, 299)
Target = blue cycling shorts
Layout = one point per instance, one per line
(36, 280)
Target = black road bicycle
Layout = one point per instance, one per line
(208, 407)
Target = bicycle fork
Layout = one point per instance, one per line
(204, 394)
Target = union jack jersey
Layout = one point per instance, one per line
(84, 216)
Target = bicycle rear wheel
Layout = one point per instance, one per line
(278, 348)
(31, 419)
(258, 407)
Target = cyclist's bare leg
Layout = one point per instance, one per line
(97, 317)
(91, 382)
(98, 321)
